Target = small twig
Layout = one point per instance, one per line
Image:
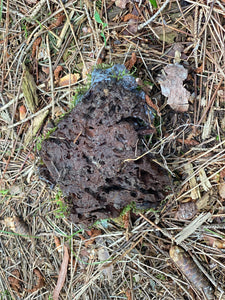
(164, 231)
(5, 44)
(64, 30)
(154, 16)
(31, 116)
(210, 102)
(37, 8)
(73, 33)
(191, 228)
(51, 76)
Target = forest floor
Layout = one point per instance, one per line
(48, 51)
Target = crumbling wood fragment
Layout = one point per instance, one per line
(86, 154)
(29, 90)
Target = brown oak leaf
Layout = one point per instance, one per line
(171, 83)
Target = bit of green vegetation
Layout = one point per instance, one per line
(153, 3)
(4, 192)
(5, 295)
(40, 139)
(62, 209)
(161, 277)
(79, 92)
(24, 27)
(104, 25)
(123, 73)
(130, 207)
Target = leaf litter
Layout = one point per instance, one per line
(171, 82)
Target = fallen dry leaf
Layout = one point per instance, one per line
(45, 70)
(59, 19)
(103, 255)
(57, 72)
(188, 267)
(166, 34)
(152, 105)
(199, 69)
(186, 211)
(58, 244)
(132, 26)
(222, 175)
(35, 126)
(22, 112)
(121, 3)
(68, 79)
(93, 233)
(126, 220)
(129, 16)
(128, 294)
(17, 225)
(131, 62)
(87, 69)
(59, 248)
(214, 242)
(188, 142)
(40, 282)
(62, 274)
(36, 44)
(176, 47)
(15, 281)
(171, 83)
(29, 90)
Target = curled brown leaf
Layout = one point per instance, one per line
(93, 233)
(68, 79)
(131, 62)
(57, 72)
(214, 242)
(59, 19)
(36, 44)
(14, 281)
(129, 16)
(40, 282)
(22, 112)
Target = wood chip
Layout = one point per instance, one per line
(29, 90)
(192, 227)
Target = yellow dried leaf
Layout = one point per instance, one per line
(69, 79)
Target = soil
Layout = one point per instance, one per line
(86, 154)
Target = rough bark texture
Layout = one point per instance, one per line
(86, 154)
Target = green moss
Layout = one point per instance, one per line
(45, 136)
(62, 209)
